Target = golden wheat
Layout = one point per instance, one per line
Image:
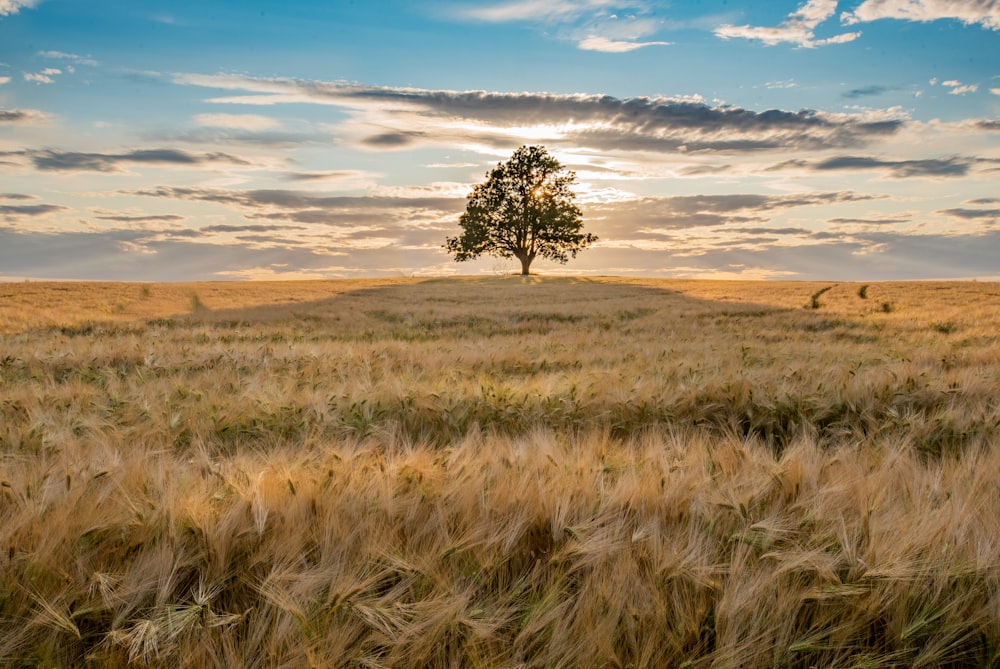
(500, 473)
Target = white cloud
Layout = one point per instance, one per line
(8, 7)
(962, 90)
(995, 91)
(605, 45)
(237, 121)
(4, 80)
(797, 29)
(607, 26)
(956, 86)
(62, 55)
(536, 10)
(43, 77)
(984, 12)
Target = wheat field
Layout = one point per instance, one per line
(500, 472)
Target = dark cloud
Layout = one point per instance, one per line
(322, 176)
(271, 240)
(646, 217)
(600, 121)
(392, 140)
(20, 116)
(178, 233)
(871, 221)
(866, 91)
(52, 160)
(12, 212)
(132, 255)
(991, 126)
(250, 228)
(292, 201)
(125, 218)
(831, 257)
(234, 136)
(930, 167)
(17, 196)
(770, 231)
(699, 170)
(971, 214)
(955, 166)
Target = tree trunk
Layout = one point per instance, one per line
(525, 256)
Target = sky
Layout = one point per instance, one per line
(308, 139)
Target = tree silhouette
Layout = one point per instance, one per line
(523, 210)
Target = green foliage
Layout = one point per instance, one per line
(523, 210)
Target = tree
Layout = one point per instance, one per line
(523, 210)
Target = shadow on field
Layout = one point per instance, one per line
(439, 358)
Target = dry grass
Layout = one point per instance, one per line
(500, 473)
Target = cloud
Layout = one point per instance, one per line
(293, 200)
(62, 55)
(970, 12)
(237, 121)
(365, 221)
(536, 10)
(13, 212)
(149, 218)
(21, 116)
(607, 26)
(868, 222)
(335, 175)
(71, 161)
(955, 166)
(137, 254)
(43, 77)
(958, 88)
(972, 214)
(605, 45)
(9, 7)
(392, 118)
(798, 28)
(4, 80)
(393, 140)
(866, 91)
(657, 217)
(249, 228)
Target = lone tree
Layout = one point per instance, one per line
(523, 210)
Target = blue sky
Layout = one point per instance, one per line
(175, 141)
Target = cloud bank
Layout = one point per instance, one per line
(387, 118)
(985, 13)
(72, 161)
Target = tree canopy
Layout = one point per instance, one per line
(524, 209)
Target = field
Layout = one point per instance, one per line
(500, 472)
